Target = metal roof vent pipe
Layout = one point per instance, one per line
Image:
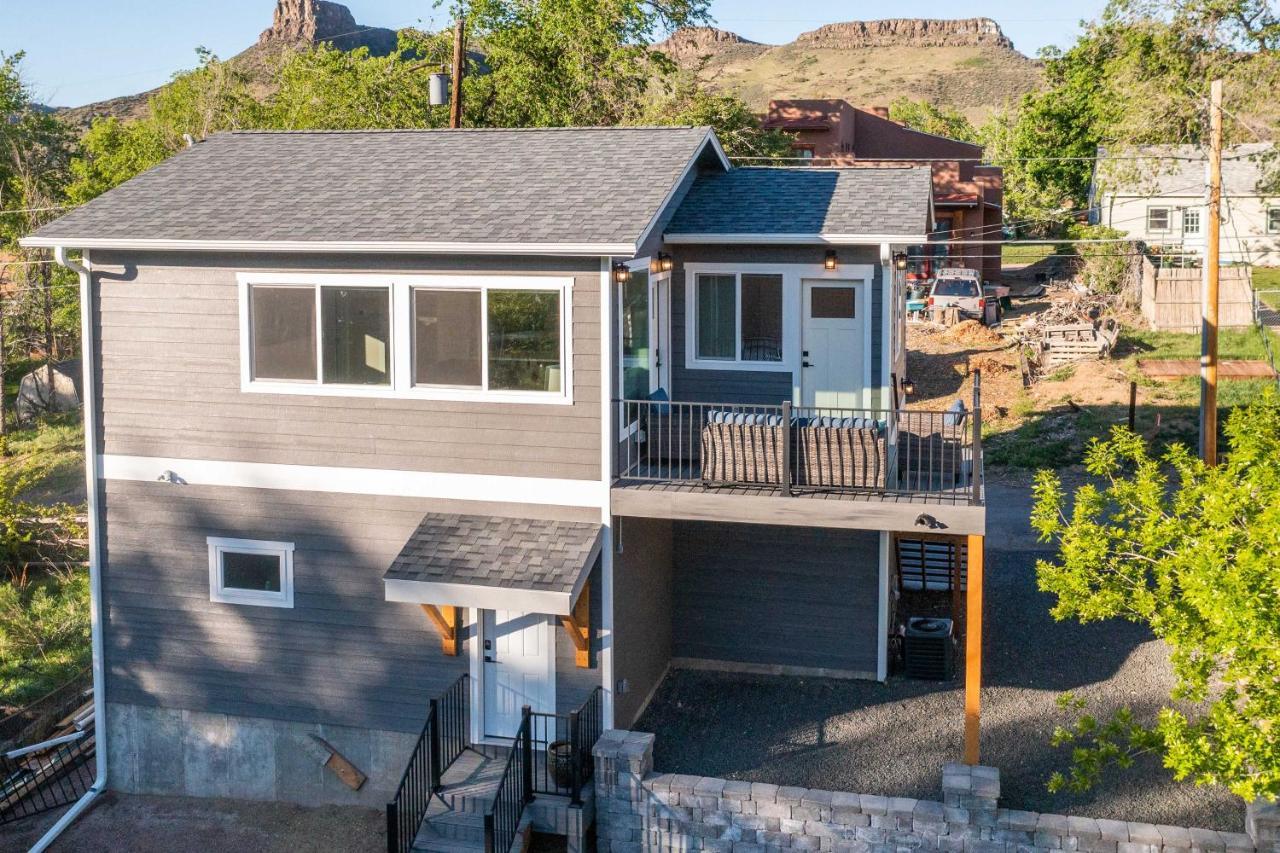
(439, 89)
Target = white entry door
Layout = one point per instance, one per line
(518, 652)
(833, 345)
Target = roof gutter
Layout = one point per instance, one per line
(795, 239)
(90, 407)
(336, 247)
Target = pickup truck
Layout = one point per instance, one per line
(956, 287)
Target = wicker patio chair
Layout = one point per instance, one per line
(742, 449)
(842, 452)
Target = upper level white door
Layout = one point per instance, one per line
(519, 668)
(833, 344)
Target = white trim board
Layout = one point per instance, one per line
(774, 239)
(400, 289)
(479, 597)
(332, 247)
(356, 481)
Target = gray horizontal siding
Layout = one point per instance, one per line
(169, 372)
(342, 655)
(761, 387)
(782, 596)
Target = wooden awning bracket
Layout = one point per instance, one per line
(448, 621)
(578, 626)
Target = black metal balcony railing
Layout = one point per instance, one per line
(562, 746)
(515, 790)
(444, 737)
(799, 449)
(46, 776)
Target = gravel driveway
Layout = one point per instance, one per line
(893, 738)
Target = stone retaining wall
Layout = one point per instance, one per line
(638, 810)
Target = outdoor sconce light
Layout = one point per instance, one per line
(830, 262)
(665, 262)
(908, 387)
(621, 273)
(900, 261)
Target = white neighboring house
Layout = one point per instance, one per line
(1164, 201)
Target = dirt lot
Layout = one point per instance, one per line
(141, 824)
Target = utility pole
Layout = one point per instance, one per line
(459, 67)
(1209, 329)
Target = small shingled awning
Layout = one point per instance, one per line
(495, 563)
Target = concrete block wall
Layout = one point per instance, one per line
(638, 810)
(195, 754)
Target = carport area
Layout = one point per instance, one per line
(893, 738)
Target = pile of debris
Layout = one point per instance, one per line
(973, 333)
(1070, 329)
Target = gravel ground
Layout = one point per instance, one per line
(141, 824)
(892, 739)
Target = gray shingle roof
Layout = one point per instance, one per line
(491, 551)
(797, 201)
(1179, 170)
(580, 185)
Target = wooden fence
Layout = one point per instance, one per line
(1171, 297)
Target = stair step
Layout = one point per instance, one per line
(471, 782)
(455, 825)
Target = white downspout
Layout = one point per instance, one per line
(91, 466)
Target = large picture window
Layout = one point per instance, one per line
(445, 337)
(739, 317)
(354, 342)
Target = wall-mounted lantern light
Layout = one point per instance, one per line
(621, 273)
(900, 261)
(908, 387)
(829, 263)
(665, 262)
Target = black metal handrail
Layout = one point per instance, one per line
(562, 746)
(45, 776)
(798, 449)
(515, 790)
(444, 736)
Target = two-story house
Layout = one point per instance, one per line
(968, 193)
(499, 418)
(1159, 194)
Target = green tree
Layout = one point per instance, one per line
(931, 118)
(1136, 76)
(569, 62)
(736, 126)
(1194, 553)
(215, 96)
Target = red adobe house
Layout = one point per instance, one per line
(968, 197)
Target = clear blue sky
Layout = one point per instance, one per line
(80, 51)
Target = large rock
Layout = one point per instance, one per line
(691, 43)
(304, 22)
(908, 32)
(45, 390)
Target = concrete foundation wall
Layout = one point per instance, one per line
(638, 810)
(190, 753)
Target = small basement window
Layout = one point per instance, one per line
(249, 571)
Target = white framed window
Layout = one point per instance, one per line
(250, 571)
(1191, 221)
(738, 317)
(1158, 220)
(443, 337)
(1273, 220)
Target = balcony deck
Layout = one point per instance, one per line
(892, 470)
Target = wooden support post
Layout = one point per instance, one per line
(973, 653)
(1209, 325)
(578, 625)
(448, 621)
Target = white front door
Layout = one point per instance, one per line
(832, 343)
(519, 668)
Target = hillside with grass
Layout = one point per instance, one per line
(967, 65)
